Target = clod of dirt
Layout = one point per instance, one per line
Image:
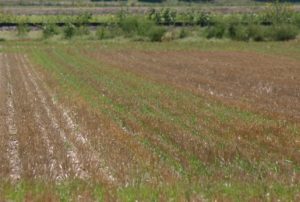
(12, 130)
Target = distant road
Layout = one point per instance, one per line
(34, 10)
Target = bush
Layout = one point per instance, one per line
(283, 32)
(216, 31)
(203, 19)
(242, 33)
(232, 31)
(257, 33)
(238, 32)
(156, 33)
(168, 16)
(277, 13)
(165, 15)
(136, 26)
(261, 33)
(69, 30)
(296, 20)
(50, 30)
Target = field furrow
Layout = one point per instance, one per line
(12, 128)
(4, 161)
(73, 135)
(54, 167)
(34, 155)
(71, 151)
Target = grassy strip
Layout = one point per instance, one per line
(72, 190)
(41, 19)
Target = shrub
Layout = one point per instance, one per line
(216, 31)
(154, 15)
(277, 13)
(165, 15)
(242, 33)
(69, 30)
(136, 26)
(129, 25)
(168, 16)
(49, 30)
(238, 32)
(232, 31)
(262, 33)
(203, 19)
(156, 33)
(296, 19)
(257, 33)
(283, 32)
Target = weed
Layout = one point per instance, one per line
(136, 26)
(22, 29)
(183, 33)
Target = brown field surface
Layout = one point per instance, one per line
(49, 143)
(187, 124)
(266, 83)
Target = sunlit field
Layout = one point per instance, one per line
(150, 108)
